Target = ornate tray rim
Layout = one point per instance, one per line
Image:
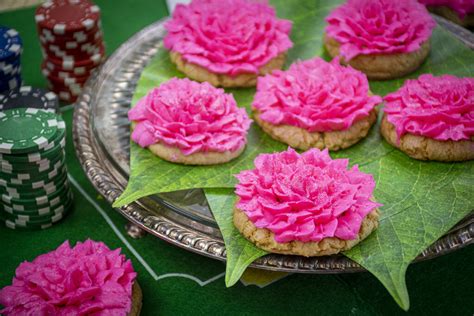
(101, 173)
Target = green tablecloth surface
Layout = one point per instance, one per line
(177, 282)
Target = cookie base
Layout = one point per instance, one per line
(300, 138)
(382, 66)
(201, 74)
(450, 14)
(137, 298)
(174, 154)
(424, 148)
(265, 239)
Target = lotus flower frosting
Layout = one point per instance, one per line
(314, 95)
(364, 27)
(461, 7)
(305, 197)
(227, 36)
(195, 117)
(441, 108)
(88, 279)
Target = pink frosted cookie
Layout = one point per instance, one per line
(227, 43)
(432, 118)
(383, 38)
(458, 11)
(315, 104)
(308, 204)
(88, 279)
(192, 123)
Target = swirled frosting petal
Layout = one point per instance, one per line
(461, 7)
(305, 197)
(192, 116)
(227, 36)
(86, 279)
(441, 108)
(365, 27)
(314, 95)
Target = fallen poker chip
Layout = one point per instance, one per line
(30, 97)
(10, 43)
(66, 16)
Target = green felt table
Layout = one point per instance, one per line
(177, 282)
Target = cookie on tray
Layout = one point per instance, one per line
(315, 104)
(86, 279)
(228, 43)
(459, 11)
(385, 39)
(305, 204)
(432, 118)
(191, 123)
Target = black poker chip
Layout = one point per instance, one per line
(30, 97)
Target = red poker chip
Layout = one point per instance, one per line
(65, 93)
(59, 72)
(85, 51)
(69, 64)
(65, 96)
(66, 16)
(67, 81)
(46, 36)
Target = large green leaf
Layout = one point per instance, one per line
(239, 251)
(422, 199)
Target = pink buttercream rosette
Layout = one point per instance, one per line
(88, 279)
(315, 95)
(305, 197)
(440, 108)
(365, 27)
(461, 7)
(227, 36)
(192, 116)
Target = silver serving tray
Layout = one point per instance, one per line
(101, 138)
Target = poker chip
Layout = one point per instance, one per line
(34, 189)
(11, 47)
(65, 16)
(71, 40)
(25, 130)
(29, 97)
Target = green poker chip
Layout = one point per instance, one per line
(31, 193)
(25, 130)
(27, 179)
(41, 165)
(39, 219)
(32, 173)
(35, 156)
(29, 225)
(40, 211)
(58, 177)
(52, 199)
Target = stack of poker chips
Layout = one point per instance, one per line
(34, 187)
(10, 53)
(71, 40)
(30, 97)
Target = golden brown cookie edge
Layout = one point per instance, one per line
(137, 300)
(263, 238)
(300, 138)
(424, 148)
(201, 74)
(382, 66)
